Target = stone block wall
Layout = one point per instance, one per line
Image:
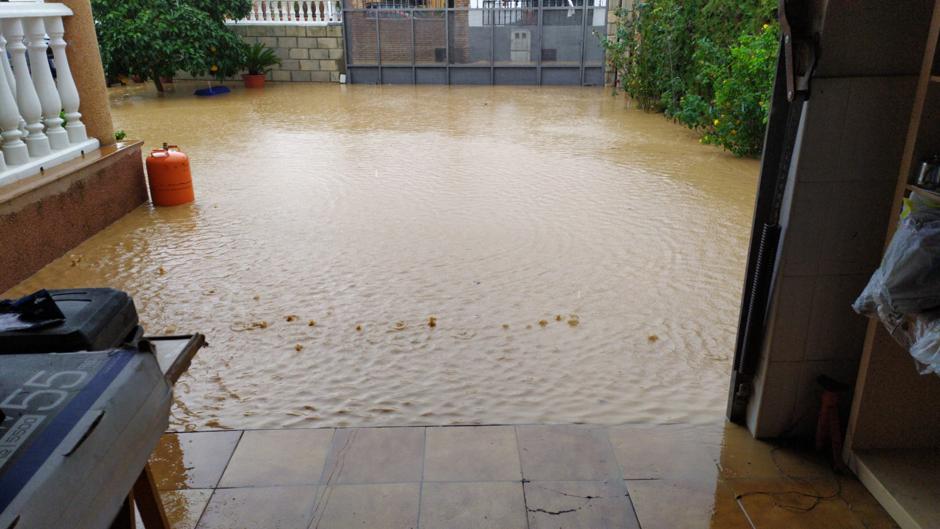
(307, 53)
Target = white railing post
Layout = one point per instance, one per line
(13, 147)
(5, 63)
(255, 10)
(276, 11)
(44, 83)
(322, 10)
(26, 97)
(64, 81)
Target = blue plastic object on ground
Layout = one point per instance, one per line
(212, 91)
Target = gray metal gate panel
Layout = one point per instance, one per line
(431, 76)
(397, 75)
(521, 42)
(517, 76)
(561, 76)
(471, 75)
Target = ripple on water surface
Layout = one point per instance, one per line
(583, 260)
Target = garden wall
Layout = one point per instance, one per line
(307, 53)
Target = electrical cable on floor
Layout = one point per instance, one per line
(817, 498)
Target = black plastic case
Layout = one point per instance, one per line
(95, 319)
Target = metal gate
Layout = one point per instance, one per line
(522, 42)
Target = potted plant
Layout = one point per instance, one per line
(258, 61)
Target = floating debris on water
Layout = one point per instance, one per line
(399, 326)
(298, 348)
(505, 326)
(256, 297)
(161, 270)
(432, 321)
(239, 326)
(290, 317)
(558, 317)
(574, 320)
(311, 323)
(358, 327)
(652, 338)
(543, 323)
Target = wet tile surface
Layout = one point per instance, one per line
(663, 453)
(666, 504)
(494, 505)
(386, 505)
(578, 505)
(504, 477)
(566, 453)
(192, 460)
(375, 455)
(278, 457)
(183, 508)
(485, 453)
(260, 508)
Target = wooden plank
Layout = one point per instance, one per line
(905, 482)
(125, 518)
(173, 368)
(148, 501)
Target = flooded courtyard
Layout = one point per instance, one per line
(364, 255)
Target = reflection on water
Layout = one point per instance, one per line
(503, 212)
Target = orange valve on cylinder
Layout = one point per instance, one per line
(171, 181)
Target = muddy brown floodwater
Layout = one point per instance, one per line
(583, 260)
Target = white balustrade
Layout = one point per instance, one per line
(45, 84)
(5, 63)
(33, 100)
(64, 81)
(27, 100)
(292, 13)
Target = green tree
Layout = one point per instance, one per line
(157, 38)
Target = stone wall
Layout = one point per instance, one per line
(307, 53)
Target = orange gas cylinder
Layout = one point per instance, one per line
(171, 182)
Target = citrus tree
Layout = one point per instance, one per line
(157, 38)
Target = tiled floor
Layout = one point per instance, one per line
(502, 477)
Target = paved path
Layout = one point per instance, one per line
(501, 477)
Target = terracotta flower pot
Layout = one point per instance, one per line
(253, 81)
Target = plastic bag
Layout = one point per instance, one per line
(904, 292)
(926, 346)
(908, 280)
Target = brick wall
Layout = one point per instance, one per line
(307, 53)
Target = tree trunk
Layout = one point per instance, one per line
(157, 82)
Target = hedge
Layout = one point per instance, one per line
(708, 64)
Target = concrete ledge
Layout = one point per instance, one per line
(44, 216)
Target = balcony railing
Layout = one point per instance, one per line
(293, 13)
(40, 122)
